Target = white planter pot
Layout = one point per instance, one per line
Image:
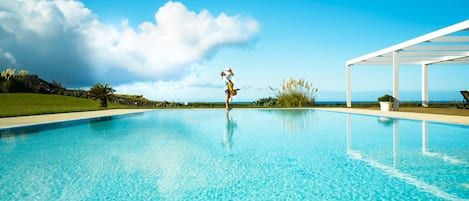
(385, 106)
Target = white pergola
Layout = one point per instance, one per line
(449, 45)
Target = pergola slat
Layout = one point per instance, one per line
(429, 48)
(460, 39)
(419, 54)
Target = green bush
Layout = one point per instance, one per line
(293, 99)
(386, 98)
(266, 102)
(13, 85)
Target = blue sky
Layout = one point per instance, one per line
(121, 42)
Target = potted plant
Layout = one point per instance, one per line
(385, 102)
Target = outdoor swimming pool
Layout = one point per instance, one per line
(246, 154)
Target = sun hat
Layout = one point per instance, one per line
(228, 70)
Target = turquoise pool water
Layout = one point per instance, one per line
(246, 154)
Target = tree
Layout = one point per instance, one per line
(101, 92)
(57, 88)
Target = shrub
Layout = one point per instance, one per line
(296, 93)
(11, 83)
(8, 73)
(57, 88)
(266, 102)
(22, 73)
(386, 98)
(14, 85)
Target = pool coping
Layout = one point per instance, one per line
(12, 122)
(440, 118)
(22, 121)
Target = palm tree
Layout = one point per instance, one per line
(101, 92)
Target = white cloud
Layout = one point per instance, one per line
(65, 41)
(190, 88)
(8, 57)
(178, 39)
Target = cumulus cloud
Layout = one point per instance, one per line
(189, 88)
(44, 37)
(66, 42)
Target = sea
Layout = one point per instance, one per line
(339, 97)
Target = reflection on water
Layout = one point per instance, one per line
(10, 134)
(230, 126)
(181, 155)
(295, 120)
(430, 171)
(11, 137)
(426, 151)
(386, 121)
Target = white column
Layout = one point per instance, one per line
(348, 88)
(395, 71)
(424, 85)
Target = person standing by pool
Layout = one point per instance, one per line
(226, 77)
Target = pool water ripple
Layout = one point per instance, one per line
(246, 154)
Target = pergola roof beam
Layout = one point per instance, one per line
(427, 37)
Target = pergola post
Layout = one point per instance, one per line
(424, 85)
(395, 71)
(348, 89)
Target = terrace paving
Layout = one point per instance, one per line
(451, 119)
(9, 122)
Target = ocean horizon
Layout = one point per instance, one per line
(339, 97)
(404, 96)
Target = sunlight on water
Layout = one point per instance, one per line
(246, 154)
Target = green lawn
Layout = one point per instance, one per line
(21, 104)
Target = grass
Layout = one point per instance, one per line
(21, 104)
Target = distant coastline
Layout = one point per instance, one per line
(405, 96)
(338, 97)
(338, 102)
